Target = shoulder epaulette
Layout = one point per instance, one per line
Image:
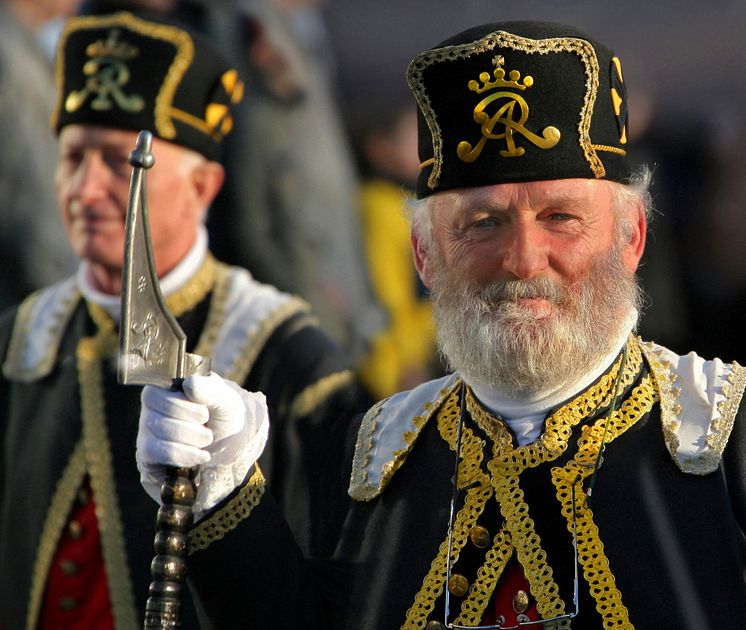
(243, 315)
(699, 402)
(37, 331)
(387, 433)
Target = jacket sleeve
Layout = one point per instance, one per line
(255, 576)
(248, 568)
(734, 466)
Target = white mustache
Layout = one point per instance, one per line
(513, 290)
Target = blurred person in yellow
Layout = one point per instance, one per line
(403, 354)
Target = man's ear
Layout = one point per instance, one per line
(207, 179)
(421, 259)
(632, 251)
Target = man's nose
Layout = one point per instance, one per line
(525, 254)
(90, 179)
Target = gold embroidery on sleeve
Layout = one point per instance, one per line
(313, 395)
(225, 520)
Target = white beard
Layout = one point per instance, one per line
(490, 339)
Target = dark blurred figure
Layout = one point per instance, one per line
(293, 202)
(32, 251)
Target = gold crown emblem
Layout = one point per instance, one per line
(112, 47)
(500, 81)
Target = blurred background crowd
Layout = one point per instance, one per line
(324, 152)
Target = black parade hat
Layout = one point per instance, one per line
(138, 72)
(519, 101)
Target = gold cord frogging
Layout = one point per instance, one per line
(591, 556)
(469, 472)
(505, 467)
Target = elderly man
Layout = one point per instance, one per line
(76, 529)
(567, 474)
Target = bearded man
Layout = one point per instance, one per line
(566, 474)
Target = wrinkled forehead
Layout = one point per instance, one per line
(578, 194)
(97, 135)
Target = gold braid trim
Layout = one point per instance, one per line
(470, 472)
(90, 352)
(509, 462)
(480, 592)
(514, 508)
(505, 467)
(668, 394)
(558, 427)
(63, 498)
(610, 149)
(223, 521)
(310, 398)
(361, 487)
(727, 408)
(195, 290)
(591, 556)
(216, 312)
(363, 449)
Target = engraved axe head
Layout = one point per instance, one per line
(152, 345)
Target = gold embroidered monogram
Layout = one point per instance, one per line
(504, 116)
(108, 75)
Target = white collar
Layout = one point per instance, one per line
(170, 283)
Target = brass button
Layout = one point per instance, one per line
(434, 625)
(458, 585)
(69, 568)
(520, 601)
(75, 530)
(480, 536)
(68, 603)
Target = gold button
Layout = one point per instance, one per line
(68, 603)
(75, 530)
(434, 625)
(69, 568)
(480, 536)
(458, 585)
(520, 601)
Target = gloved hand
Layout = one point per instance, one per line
(214, 424)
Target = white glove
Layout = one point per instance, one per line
(214, 424)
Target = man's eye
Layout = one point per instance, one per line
(73, 157)
(485, 222)
(119, 163)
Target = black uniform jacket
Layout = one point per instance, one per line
(65, 422)
(660, 542)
